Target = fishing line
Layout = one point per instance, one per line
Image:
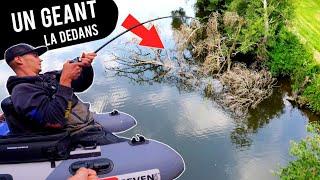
(108, 42)
(124, 32)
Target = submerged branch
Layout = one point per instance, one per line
(245, 88)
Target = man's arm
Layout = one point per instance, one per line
(49, 111)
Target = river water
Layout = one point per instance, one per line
(213, 144)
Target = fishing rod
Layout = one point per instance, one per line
(77, 59)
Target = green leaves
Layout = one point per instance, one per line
(261, 23)
(289, 57)
(312, 94)
(307, 154)
(264, 34)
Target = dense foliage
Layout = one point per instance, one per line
(262, 21)
(311, 95)
(289, 57)
(266, 35)
(307, 157)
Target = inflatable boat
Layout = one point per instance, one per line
(51, 157)
(114, 121)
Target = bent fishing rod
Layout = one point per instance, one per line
(77, 59)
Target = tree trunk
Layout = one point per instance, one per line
(266, 21)
(233, 47)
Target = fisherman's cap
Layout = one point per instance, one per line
(22, 49)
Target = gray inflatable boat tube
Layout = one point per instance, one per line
(151, 160)
(115, 121)
(130, 159)
(140, 160)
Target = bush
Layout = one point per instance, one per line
(312, 94)
(307, 153)
(288, 55)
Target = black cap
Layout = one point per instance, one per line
(22, 49)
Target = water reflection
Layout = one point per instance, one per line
(171, 108)
(257, 118)
(243, 130)
(148, 66)
(145, 66)
(172, 67)
(201, 121)
(155, 69)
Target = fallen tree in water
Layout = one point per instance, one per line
(208, 45)
(210, 55)
(245, 88)
(136, 63)
(144, 65)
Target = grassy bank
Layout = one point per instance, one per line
(306, 24)
(296, 53)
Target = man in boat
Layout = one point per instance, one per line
(46, 102)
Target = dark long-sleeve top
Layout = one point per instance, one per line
(41, 101)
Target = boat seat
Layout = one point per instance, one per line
(7, 105)
(8, 110)
(16, 123)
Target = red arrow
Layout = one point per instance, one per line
(149, 38)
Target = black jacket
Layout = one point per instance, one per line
(41, 102)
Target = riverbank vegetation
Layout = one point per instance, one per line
(280, 37)
(262, 34)
(235, 51)
(231, 33)
(259, 36)
(307, 157)
(289, 57)
(306, 24)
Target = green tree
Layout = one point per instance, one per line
(205, 7)
(178, 18)
(262, 21)
(307, 154)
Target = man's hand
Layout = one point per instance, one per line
(87, 59)
(84, 174)
(2, 118)
(70, 72)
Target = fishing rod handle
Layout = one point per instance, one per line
(75, 60)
